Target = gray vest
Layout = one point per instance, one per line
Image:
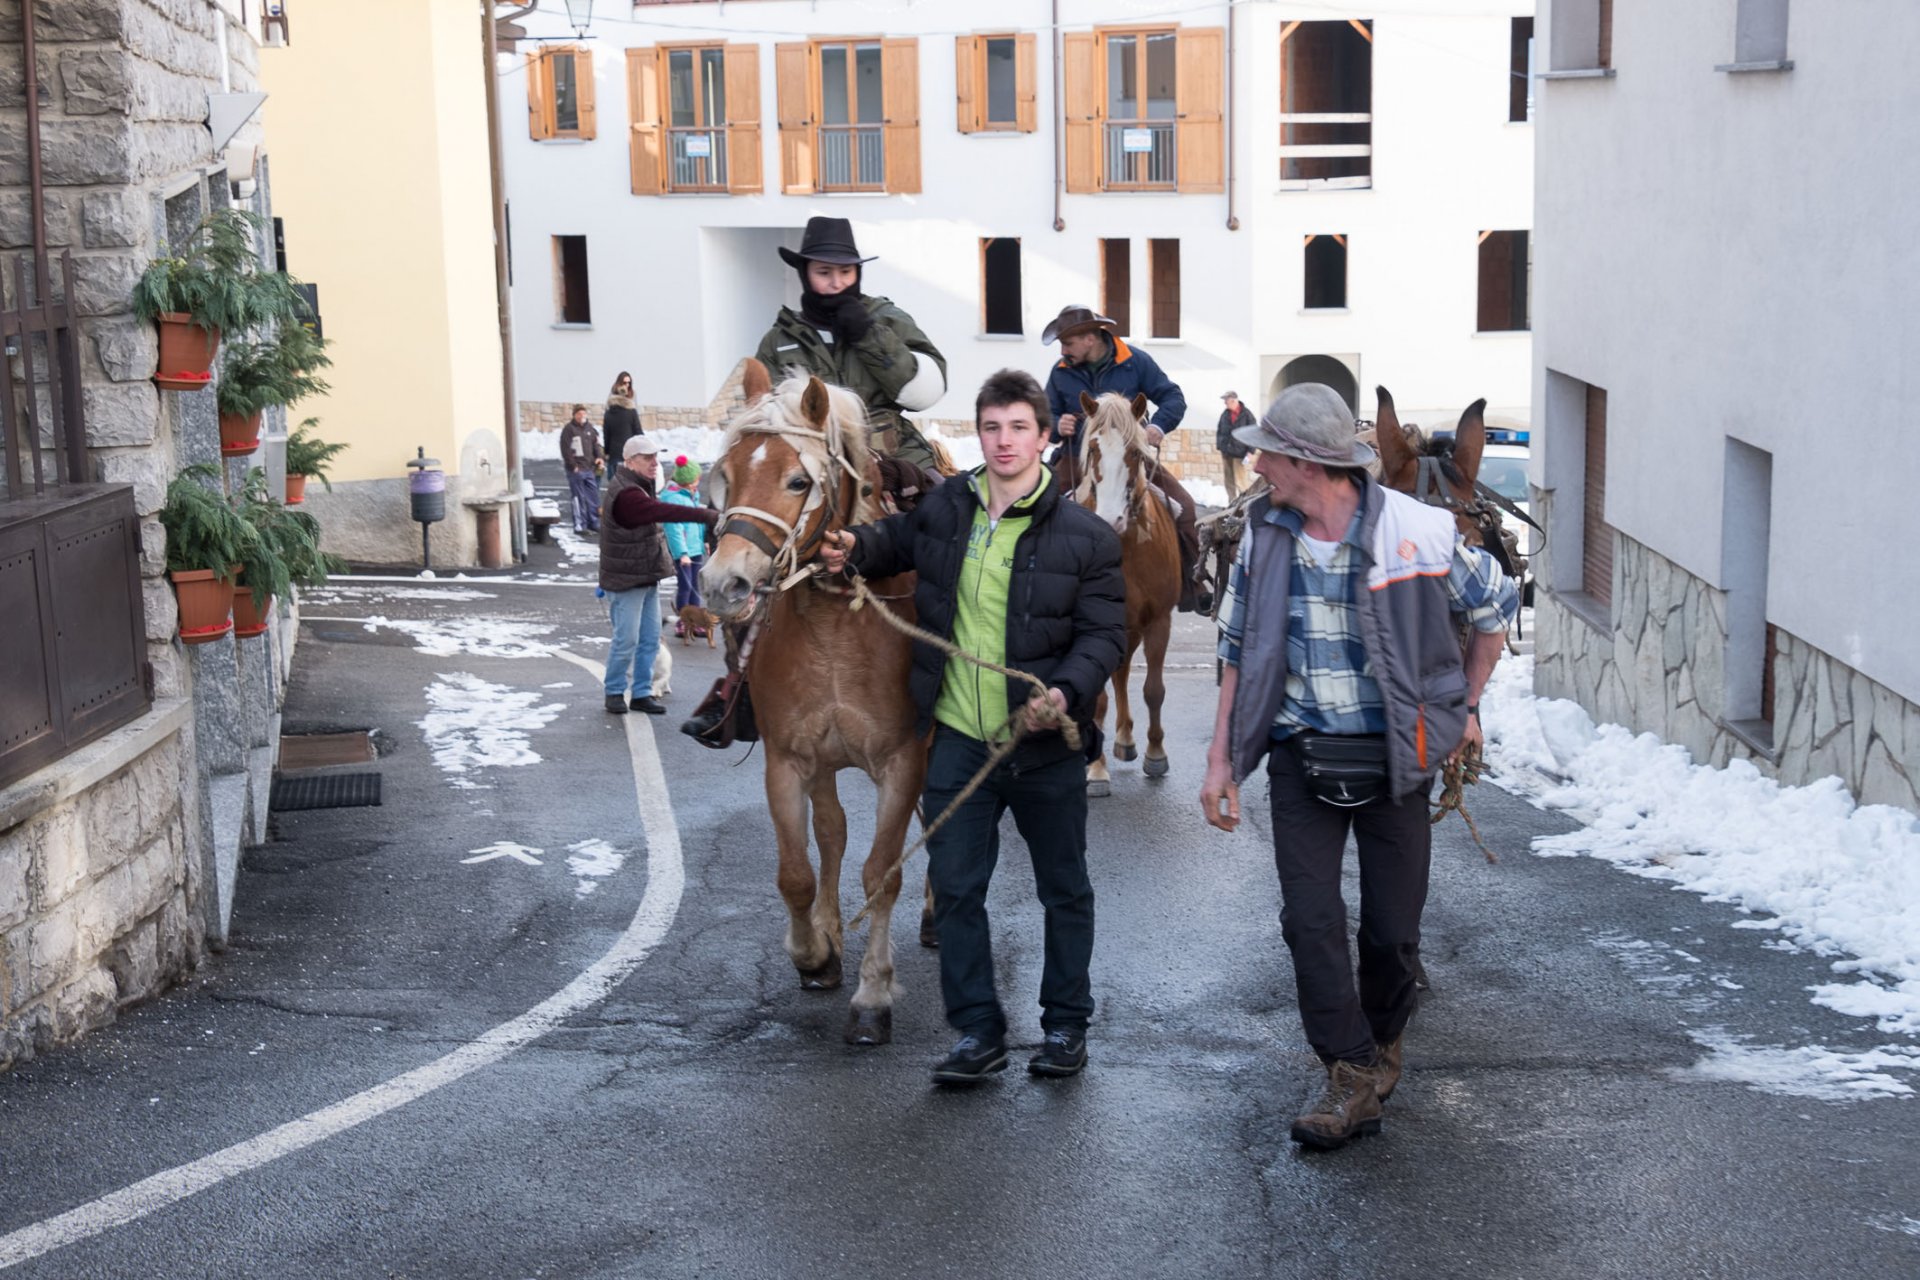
(635, 557)
(1406, 626)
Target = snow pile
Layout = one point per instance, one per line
(1808, 1071)
(336, 592)
(473, 724)
(702, 444)
(479, 637)
(592, 861)
(1833, 877)
(579, 548)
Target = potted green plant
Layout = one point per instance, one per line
(307, 457)
(255, 375)
(214, 285)
(206, 542)
(286, 553)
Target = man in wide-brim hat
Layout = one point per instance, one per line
(868, 345)
(1095, 359)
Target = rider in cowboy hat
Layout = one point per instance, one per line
(865, 344)
(1095, 360)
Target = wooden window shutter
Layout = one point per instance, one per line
(583, 86)
(743, 119)
(1026, 75)
(539, 98)
(1081, 67)
(900, 108)
(966, 104)
(792, 76)
(646, 154)
(1199, 129)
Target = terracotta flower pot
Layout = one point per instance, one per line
(186, 352)
(206, 605)
(239, 435)
(296, 489)
(249, 621)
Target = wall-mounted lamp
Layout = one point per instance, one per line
(580, 16)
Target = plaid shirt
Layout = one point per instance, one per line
(1330, 685)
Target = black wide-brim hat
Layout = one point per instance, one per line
(825, 240)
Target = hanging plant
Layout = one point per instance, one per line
(214, 285)
(206, 542)
(257, 375)
(308, 456)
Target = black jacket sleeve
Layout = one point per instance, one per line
(1099, 625)
(883, 548)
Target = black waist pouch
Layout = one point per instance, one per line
(1342, 769)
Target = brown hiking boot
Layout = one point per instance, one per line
(1349, 1108)
(1386, 1065)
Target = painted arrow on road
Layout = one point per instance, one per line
(504, 849)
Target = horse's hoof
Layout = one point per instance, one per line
(1155, 767)
(870, 1026)
(1099, 787)
(1124, 751)
(928, 937)
(825, 978)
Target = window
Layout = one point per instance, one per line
(1746, 519)
(1000, 285)
(849, 115)
(1144, 109)
(1596, 535)
(570, 304)
(1326, 273)
(1116, 283)
(696, 118)
(560, 93)
(1520, 72)
(1581, 36)
(1326, 104)
(1163, 280)
(994, 80)
(1760, 35)
(1506, 276)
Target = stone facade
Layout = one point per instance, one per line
(1660, 668)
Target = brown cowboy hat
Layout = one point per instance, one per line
(825, 240)
(1074, 317)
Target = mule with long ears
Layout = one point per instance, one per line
(1116, 482)
(829, 684)
(1435, 470)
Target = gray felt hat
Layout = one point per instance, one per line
(1309, 422)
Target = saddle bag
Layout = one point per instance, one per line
(1345, 770)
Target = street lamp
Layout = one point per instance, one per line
(580, 15)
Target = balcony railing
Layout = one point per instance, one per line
(698, 158)
(1329, 149)
(853, 157)
(1140, 154)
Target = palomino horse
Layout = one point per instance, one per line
(829, 684)
(1116, 471)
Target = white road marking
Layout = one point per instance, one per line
(504, 849)
(666, 881)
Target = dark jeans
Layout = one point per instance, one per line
(585, 488)
(1049, 806)
(1309, 845)
(686, 589)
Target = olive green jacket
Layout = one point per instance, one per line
(875, 368)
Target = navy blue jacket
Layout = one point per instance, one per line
(1130, 373)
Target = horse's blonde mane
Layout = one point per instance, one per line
(1114, 412)
(846, 418)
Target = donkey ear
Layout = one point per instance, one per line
(1388, 438)
(755, 381)
(814, 405)
(1470, 440)
(1139, 407)
(1088, 405)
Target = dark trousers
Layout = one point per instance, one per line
(686, 588)
(1049, 806)
(585, 488)
(1309, 844)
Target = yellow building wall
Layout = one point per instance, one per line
(376, 133)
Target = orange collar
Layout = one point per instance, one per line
(1121, 353)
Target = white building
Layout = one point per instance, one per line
(663, 159)
(1727, 329)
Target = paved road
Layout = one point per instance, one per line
(706, 1119)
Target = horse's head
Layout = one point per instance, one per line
(1113, 457)
(793, 462)
(1454, 467)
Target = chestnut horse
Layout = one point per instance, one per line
(1116, 477)
(1444, 473)
(829, 684)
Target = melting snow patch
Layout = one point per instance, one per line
(1810, 1071)
(592, 861)
(576, 547)
(474, 724)
(1837, 878)
(480, 637)
(1898, 1223)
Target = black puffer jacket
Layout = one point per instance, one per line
(620, 423)
(1066, 603)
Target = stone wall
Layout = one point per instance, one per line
(1660, 668)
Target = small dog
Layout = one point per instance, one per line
(694, 618)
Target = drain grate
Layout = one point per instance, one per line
(325, 791)
(323, 750)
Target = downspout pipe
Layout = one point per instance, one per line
(496, 167)
(1059, 121)
(1233, 26)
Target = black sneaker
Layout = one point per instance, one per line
(1062, 1053)
(971, 1061)
(616, 705)
(649, 704)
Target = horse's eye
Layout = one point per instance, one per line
(798, 484)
